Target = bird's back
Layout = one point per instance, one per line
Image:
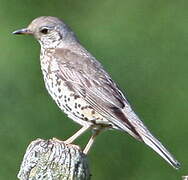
(100, 99)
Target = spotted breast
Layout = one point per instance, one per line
(65, 97)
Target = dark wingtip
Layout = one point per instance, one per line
(177, 165)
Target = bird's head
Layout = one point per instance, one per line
(49, 31)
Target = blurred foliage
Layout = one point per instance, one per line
(142, 44)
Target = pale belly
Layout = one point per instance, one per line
(72, 104)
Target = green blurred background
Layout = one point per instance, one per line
(142, 44)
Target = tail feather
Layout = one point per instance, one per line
(152, 142)
(148, 138)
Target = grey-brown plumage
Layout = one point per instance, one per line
(82, 88)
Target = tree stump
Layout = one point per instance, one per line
(53, 160)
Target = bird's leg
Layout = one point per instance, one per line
(91, 141)
(77, 134)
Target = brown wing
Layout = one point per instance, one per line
(86, 77)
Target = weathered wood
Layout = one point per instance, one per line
(53, 160)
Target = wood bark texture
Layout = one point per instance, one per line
(53, 160)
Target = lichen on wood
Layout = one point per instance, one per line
(53, 160)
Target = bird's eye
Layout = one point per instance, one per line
(44, 30)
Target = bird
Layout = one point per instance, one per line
(83, 89)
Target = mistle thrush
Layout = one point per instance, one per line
(82, 88)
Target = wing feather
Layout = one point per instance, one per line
(87, 78)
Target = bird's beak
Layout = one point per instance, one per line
(23, 31)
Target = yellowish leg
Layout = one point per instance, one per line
(77, 134)
(91, 141)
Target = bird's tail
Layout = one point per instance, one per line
(148, 138)
(152, 142)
